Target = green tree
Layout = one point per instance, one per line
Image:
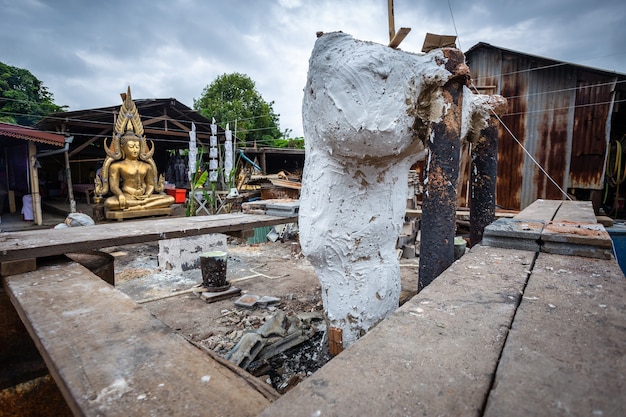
(233, 98)
(23, 98)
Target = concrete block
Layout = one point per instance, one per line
(283, 208)
(408, 252)
(183, 254)
(288, 207)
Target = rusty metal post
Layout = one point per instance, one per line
(484, 171)
(483, 182)
(440, 197)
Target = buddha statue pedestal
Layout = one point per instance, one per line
(133, 214)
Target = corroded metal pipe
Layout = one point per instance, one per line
(485, 169)
(483, 181)
(440, 197)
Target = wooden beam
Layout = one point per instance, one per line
(90, 141)
(165, 119)
(399, 37)
(17, 267)
(34, 183)
(111, 357)
(51, 242)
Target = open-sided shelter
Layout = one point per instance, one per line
(166, 122)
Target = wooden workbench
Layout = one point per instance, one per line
(42, 243)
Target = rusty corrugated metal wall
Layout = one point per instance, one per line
(592, 122)
(559, 112)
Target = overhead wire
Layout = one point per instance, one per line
(154, 128)
(532, 158)
(221, 124)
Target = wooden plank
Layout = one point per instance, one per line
(540, 210)
(576, 211)
(391, 18)
(17, 267)
(399, 37)
(462, 214)
(580, 239)
(109, 356)
(564, 354)
(50, 242)
(575, 231)
(559, 227)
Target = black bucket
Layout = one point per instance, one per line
(213, 267)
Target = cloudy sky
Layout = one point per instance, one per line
(87, 52)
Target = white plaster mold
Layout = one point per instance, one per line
(367, 111)
(478, 109)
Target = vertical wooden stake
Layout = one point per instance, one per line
(335, 341)
(392, 24)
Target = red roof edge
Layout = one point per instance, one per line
(28, 133)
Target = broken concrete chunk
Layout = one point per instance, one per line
(267, 300)
(247, 301)
(282, 345)
(275, 326)
(253, 300)
(246, 350)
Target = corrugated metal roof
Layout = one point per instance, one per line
(27, 133)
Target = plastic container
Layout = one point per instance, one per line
(179, 194)
(618, 235)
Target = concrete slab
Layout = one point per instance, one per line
(578, 239)
(211, 297)
(564, 354)
(514, 234)
(286, 207)
(436, 355)
(247, 301)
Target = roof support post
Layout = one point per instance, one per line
(34, 182)
(70, 188)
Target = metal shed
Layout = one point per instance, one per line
(567, 117)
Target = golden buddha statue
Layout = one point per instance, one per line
(129, 172)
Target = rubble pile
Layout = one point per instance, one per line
(281, 348)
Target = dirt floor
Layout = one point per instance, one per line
(275, 269)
